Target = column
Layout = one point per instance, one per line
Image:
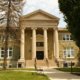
(22, 45)
(34, 42)
(56, 43)
(45, 43)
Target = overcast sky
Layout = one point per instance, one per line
(51, 6)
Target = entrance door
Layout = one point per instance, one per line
(40, 55)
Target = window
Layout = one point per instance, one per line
(68, 53)
(10, 65)
(68, 64)
(1, 37)
(39, 44)
(9, 52)
(67, 37)
(1, 65)
(2, 52)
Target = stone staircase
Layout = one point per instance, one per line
(40, 64)
(29, 63)
(46, 64)
(52, 63)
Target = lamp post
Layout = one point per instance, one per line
(71, 66)
(65, 65)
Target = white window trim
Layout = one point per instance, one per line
(8, 57)
(0, 53)
(68, 50)
(8, 53)
(67, 37)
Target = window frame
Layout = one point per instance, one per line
(68, 53)
(8, 52)
(66, 37)
(1, 50)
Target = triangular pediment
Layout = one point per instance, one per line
(40, 15)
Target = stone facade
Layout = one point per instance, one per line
(66, 44)
(40, 43)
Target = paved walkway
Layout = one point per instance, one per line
(54, 74)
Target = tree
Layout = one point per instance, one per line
(71, 12)
(10, 12)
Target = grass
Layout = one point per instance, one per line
(69, 69)
(30, 69)
(17, 75)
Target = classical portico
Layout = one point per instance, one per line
(39, 40)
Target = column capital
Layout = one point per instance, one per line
(22, 28)
(33, 28)
(44, 28)
(55, 28)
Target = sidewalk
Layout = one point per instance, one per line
(54, 74)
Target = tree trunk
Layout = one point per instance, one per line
(6, 35)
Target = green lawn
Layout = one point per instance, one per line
(17, 75)
(30, 69)
(69, 69)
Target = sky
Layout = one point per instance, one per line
(50, 6)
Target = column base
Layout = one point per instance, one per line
(21, 63)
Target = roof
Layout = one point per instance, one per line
(40, 11)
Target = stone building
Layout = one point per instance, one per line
(41, 42)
